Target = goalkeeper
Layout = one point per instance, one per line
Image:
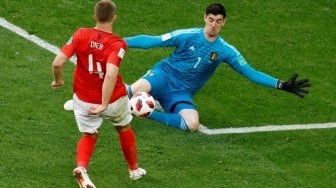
(198, 52)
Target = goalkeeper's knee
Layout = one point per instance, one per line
(190, 125)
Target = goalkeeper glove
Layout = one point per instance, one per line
(297, 87)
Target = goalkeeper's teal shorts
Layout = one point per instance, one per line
(172, 98)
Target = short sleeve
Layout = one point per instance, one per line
(69, 48)
(117, 54)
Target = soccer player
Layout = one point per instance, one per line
(198, 52)
(99, 92)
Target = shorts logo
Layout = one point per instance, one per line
(213, 56)
(149, 73)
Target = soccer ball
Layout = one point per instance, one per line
(142, 104)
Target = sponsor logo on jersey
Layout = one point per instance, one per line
(241, 60)
(166, 37)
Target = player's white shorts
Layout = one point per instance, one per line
(117, 113)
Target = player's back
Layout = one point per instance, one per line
(93, 49)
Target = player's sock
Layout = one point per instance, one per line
(169, 119)
(129, 90)
(128, 146)
(85, 149)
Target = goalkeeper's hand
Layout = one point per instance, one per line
(298, 87)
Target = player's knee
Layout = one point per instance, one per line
(93, 135)
(190, 115)
(123, 128)
(140, 85)
(192, 125)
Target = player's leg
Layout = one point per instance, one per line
(88, 125)
(120, 109)
(154, 81)
(185, 107)
(139, 85)
(85, 148)
(128, 145)
(184, 117)
(180, 111)
(191, 118)
(129, 149)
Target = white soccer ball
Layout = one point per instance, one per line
(142, 104)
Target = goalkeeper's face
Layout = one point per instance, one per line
(213, 24)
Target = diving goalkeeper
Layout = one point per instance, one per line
(198, 52)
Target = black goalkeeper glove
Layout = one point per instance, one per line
(297, 87)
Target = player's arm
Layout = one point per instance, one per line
(109, 83)
(171, 39)
(238, 63)
(57, 69)
(298, 87)
(61, 58)
(144, 41)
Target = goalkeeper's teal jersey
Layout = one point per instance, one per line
(195, 59)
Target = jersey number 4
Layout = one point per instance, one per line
(95, 69)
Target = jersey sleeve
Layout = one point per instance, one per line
(259, 77)
(178, 37)
(117, 54)
(144, 41)
(239, 63)
(172, 39)
(69, 48)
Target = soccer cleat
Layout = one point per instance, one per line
(137, 174)
(68, 105)
(82, 178)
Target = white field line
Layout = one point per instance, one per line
(19, 31)
(53, 49)
(268, 128)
